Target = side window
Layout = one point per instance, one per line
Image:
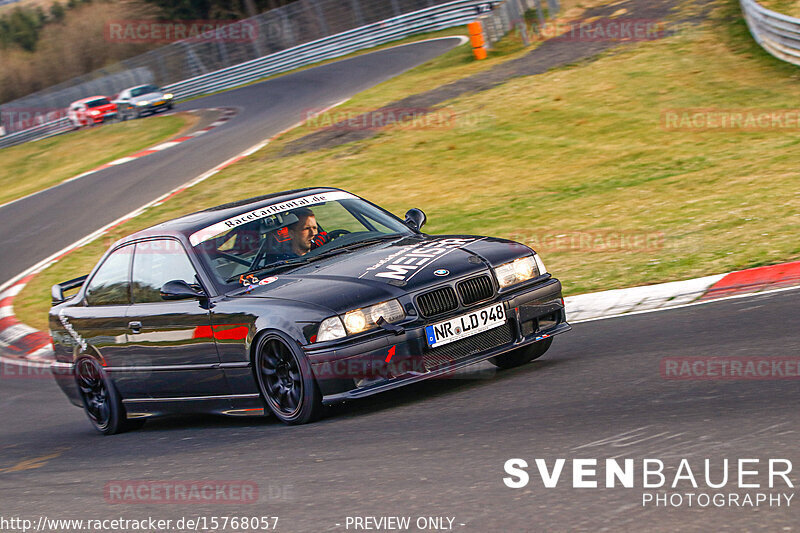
(155, 263)
(111, 284)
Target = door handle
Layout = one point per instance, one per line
(135, 327)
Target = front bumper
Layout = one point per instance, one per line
(356, 370)
(106, 117)
(155, 107)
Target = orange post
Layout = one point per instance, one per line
(476, 38)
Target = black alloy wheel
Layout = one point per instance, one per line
(101, 401)
(287, 382)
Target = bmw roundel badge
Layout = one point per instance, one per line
(441, 272)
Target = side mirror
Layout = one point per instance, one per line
(415, 219)
(179, 290)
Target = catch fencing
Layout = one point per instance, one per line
(524, 15)
(778, 34)
(286, 38)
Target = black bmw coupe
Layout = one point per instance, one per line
(287, 302)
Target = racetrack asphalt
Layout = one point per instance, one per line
(38, 226)
(437, 448)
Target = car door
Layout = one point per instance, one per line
(73, 114)
(171, 341)
(123, 104)
(99, 326)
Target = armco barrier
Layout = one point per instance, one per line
(42, 131)
(431, 19)
(776, 33)
(437, 17)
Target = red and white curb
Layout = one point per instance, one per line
(227, 113)
(22, 344)
(618, 302)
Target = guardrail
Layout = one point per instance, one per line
(778, 34)
(42, 131)
(433, 18)
(426, 20)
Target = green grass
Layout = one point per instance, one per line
(787, 7)
(35, 166)
(578, 149)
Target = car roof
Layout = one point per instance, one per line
(186, 225)
(89, 99)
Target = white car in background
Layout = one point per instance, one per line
(135, 102)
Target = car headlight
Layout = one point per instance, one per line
(143, 102)
(330, 328)
(517, 271)
(359, 320)
(94, 112)
(539, 264)
(169, 96)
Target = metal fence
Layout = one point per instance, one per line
(517, 14)
(778, 34)
(297, 34)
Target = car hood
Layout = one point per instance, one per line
(386, 270)
(105, 108)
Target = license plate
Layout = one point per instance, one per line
(465, 325)
(159, 103)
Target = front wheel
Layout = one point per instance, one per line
(286, 381)
(523, 355)
(101, 401)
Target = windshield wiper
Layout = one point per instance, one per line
(304, 260)
(271, 266)
(352, 246)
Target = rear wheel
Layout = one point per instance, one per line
(286, 381)
(523, 355)
(101, 400)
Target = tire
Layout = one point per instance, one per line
(101, 400)
(285, 380)
(523, 355)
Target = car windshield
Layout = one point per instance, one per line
(144, 89)
(291, 233)
(97, 103)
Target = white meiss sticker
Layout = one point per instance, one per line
(262, 212)
(409, 261)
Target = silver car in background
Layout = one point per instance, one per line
(135, 102)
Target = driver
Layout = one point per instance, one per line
(304, 233)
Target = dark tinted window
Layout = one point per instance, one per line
(155, 263)
(111, 285)
(98, 102)
(147, 89)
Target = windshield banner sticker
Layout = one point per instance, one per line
(221, 227)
